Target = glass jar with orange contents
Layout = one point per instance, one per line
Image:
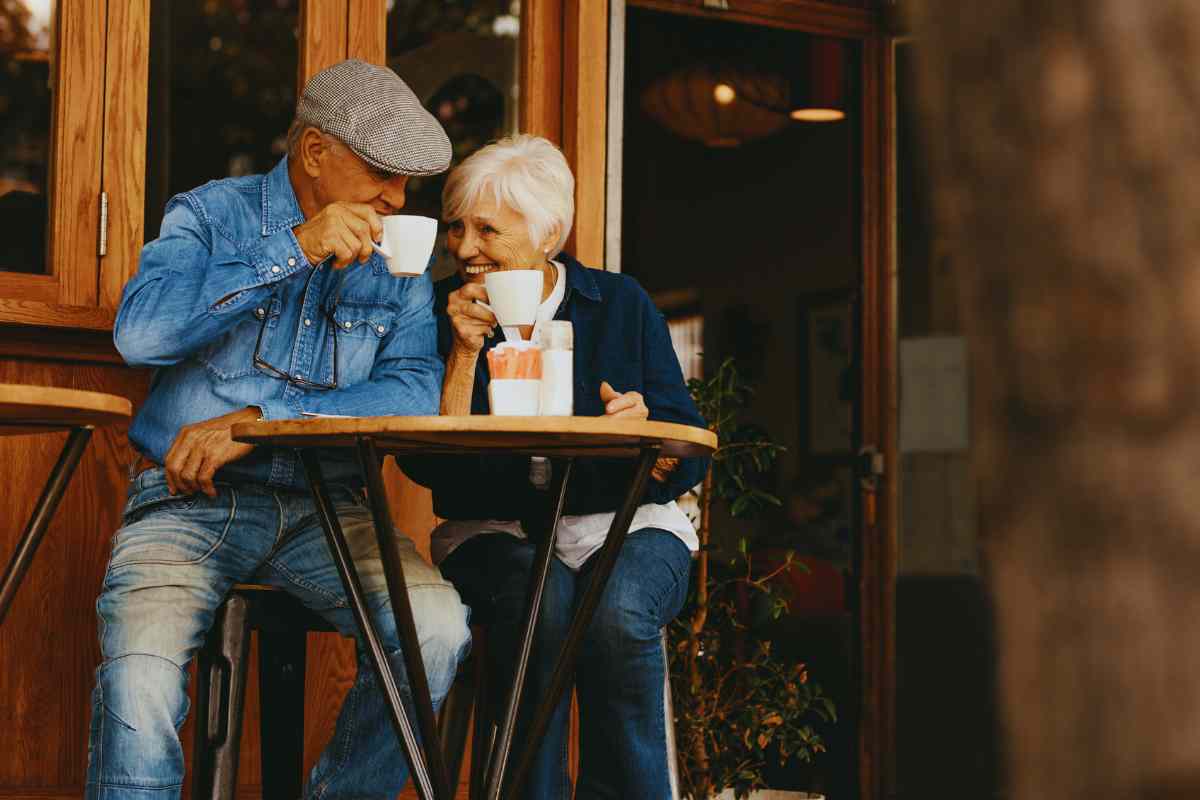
(515, 387)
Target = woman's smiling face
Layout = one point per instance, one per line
(490, 238)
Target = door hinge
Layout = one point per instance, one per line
(871, 467)
(718, 5)
(871, 464)
(103, 223)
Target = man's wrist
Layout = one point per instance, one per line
(463, 357)
(298, 234)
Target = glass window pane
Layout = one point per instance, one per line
(25, 110)
(461, 59)
(222, 92)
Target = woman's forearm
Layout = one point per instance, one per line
(459, 383)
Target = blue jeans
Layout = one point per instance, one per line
(173, 562)
(620, 673)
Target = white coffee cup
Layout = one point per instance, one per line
(515, 397)
(514, 295)
(407, 243)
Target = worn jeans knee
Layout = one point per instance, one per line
(442, 630)
(138, 705)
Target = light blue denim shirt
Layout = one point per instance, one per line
(227, 265)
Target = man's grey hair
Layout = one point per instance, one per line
(296, 131)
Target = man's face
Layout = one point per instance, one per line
(346, 177)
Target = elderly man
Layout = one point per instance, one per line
(262, 299)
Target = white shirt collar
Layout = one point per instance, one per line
(549, 306)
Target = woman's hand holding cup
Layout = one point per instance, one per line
(470, 322)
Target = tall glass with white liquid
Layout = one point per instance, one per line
(556, 338)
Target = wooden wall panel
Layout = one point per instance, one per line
(124, 168)
(55, 315)
(48, 646)
(584, 128)
(31, 288)
(75, 161)
(367, 35)
(541, 68)
(323, 32)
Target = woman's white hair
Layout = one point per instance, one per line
(526, 173)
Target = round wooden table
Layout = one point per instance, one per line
(41, 409)
(562, 439)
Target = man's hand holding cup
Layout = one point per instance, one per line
(347, 231)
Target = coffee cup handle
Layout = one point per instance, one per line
(379, 248)
(512, 333)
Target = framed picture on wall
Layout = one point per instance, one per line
(828, 373)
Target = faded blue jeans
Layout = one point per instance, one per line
(620, 675)
(174, 560)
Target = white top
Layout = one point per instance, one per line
(578, 536)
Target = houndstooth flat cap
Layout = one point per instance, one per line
(375, 113)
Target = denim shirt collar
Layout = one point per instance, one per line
(579, 278)
(280, 209)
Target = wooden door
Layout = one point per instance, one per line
(858, 25)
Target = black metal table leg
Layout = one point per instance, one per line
(43, 512)
(410, 644)
(377, 656)
(537, 586)
(564, 667)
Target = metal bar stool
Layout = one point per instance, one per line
(457, 725)
(283, 624)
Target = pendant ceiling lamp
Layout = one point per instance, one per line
(820, 95)
(719, 106)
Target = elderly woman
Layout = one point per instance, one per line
(510, 206)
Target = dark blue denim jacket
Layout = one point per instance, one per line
(227, 265)
(620, 337)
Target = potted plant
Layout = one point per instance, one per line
(736, 705)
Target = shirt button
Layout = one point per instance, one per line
(291, 261)
(381, 329)
(260, 313)
(307, 322)
(348, 325)
(276, 269)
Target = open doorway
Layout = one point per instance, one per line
(746, 227)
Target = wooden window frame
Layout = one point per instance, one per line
(99, 134)
(66, 295)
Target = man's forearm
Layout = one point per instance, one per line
(459, 384)
(192, 286)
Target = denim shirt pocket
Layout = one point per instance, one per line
(361, 330)
(232, 356)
